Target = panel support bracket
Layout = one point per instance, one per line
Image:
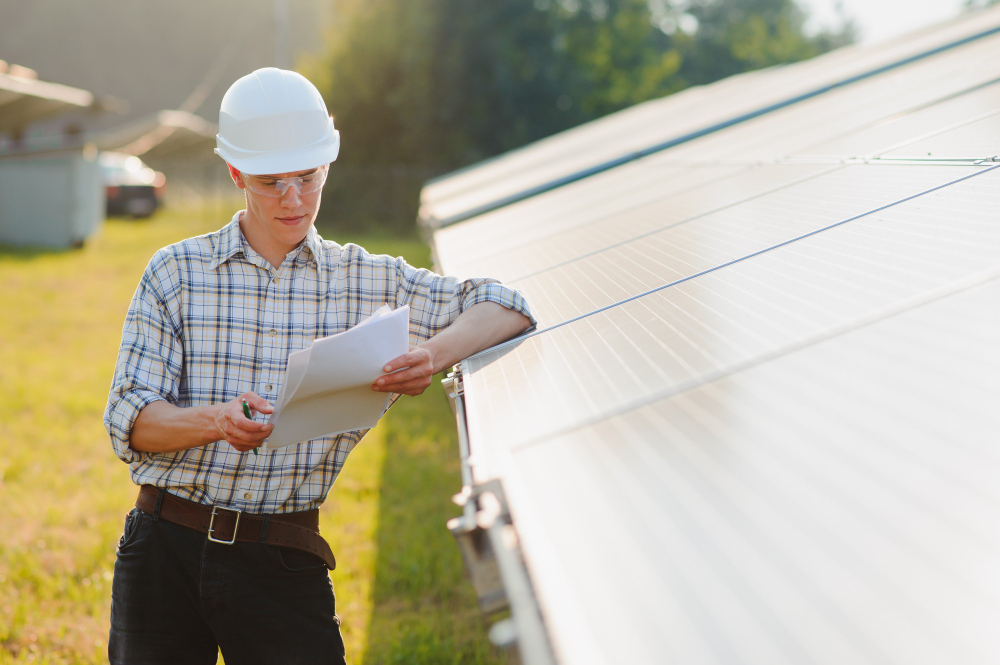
(487, 538)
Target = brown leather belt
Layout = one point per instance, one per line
(227, 525)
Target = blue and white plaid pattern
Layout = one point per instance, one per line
(212, 319)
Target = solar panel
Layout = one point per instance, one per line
(600, 136)
(546, 227)
(677, 337)
(26, 101)
(976, 139)
(558, 236)
(642, 260)
(569, 207)
(908, 127)
(680, 117)
(788, 130)
(756, 424)
(833, 505)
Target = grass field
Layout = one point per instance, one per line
(63, 494)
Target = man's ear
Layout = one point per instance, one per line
(236, 176)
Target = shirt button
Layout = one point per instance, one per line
(268, 387)
(247, 495)
(272, 332)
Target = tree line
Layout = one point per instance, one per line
(422, 87)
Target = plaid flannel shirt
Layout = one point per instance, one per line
(211, 319)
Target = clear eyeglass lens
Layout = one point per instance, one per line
(277, 187)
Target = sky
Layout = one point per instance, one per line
(881, 19)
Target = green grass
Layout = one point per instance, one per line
(399, 581)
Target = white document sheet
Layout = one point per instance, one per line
(327, 388)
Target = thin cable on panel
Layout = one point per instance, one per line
(901, 307)
(521, 339)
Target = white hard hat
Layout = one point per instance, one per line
(275, 121)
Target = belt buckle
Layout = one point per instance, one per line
(211, 525)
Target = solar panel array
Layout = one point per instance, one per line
(26, 100)
(758, 422)
(677, 118)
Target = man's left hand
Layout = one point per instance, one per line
(419, 364)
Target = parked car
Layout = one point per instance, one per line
(133, 189)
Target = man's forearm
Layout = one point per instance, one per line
(162, 427)
(479, 327)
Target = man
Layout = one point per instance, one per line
(222, 549)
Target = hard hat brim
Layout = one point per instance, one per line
(267, 163)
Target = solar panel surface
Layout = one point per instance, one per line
(729, 318)
(568, 208)
(801, 510)
(522, 172)
(923, 122)
(976, 140)
(552, 247)
(604, 274)
(554, 217)
(844, 110)
(756, 424)
(26, 101)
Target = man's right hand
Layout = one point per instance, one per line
(240, 432)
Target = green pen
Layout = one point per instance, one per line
(246, 412)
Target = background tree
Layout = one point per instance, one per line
(980, 4)
(727, 38)
(421, 87)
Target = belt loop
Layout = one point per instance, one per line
(263, 529)
(158, 504)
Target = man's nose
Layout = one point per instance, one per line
(291, 198)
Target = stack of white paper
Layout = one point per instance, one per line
(327, 388)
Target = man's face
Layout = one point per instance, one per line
(280, 207)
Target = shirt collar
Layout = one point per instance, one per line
(231, 242)
(314, 243)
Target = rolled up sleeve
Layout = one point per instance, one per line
(436, 301)
(149, 360)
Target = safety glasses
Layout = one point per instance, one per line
(276, 187)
